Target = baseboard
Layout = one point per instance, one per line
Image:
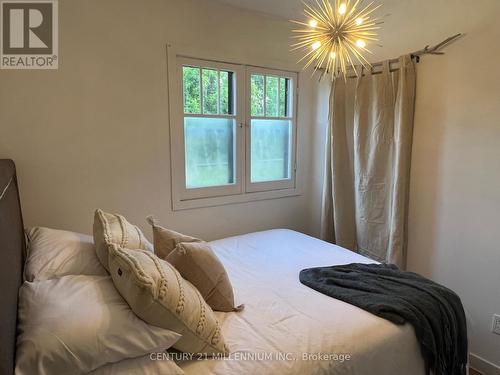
(482, 365)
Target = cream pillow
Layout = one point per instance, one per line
(166, 240)
(113, 228)
(158, 294)
(198, 264)
(75, 324)
(54, 253)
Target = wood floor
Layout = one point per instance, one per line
(474, 372)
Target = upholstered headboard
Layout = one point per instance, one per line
(12, 250)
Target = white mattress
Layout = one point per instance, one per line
(284, 316)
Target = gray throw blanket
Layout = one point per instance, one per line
(435, 312)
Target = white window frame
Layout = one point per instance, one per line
(177, 117)
(290, 182)
(243, 190)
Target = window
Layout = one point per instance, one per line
(270, 138)
(209, 127)
(233, 131)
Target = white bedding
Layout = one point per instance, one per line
(284, 316)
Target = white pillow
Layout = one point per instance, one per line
(75, 324)
(54, 253)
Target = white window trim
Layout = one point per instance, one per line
(241, 192)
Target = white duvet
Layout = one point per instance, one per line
(288, 328)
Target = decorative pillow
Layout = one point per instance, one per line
(166, 240)
(75, 324)
(54, 253)
(113, 228)
(158, 294)
(198, 264)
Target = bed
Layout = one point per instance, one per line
(285, 328)
(284, 316)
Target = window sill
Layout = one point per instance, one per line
(187, 204)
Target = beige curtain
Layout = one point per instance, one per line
(368, 155)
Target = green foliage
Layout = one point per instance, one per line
(257, 95)
(276, 94)
(214, 101)
(224, 92)
(272, 84)
(210, 91)
(191, 78)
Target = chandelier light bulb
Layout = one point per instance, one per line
(361, 43)
(359, 21)
(316, 45)
(342, 8)
(313, 23)
(332, 55)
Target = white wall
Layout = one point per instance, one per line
(95, 133)
(454, 225)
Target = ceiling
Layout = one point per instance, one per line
(288, 9)
(409, 25)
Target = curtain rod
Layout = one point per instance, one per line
(427, 50)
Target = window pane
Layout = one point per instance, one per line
(191, 87)
(209, 148)
(210, 94)
(257, 88)
(283, 97)
(226, 92)
(270, 150)
(272, 96)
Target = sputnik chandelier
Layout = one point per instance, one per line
(335, 37)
